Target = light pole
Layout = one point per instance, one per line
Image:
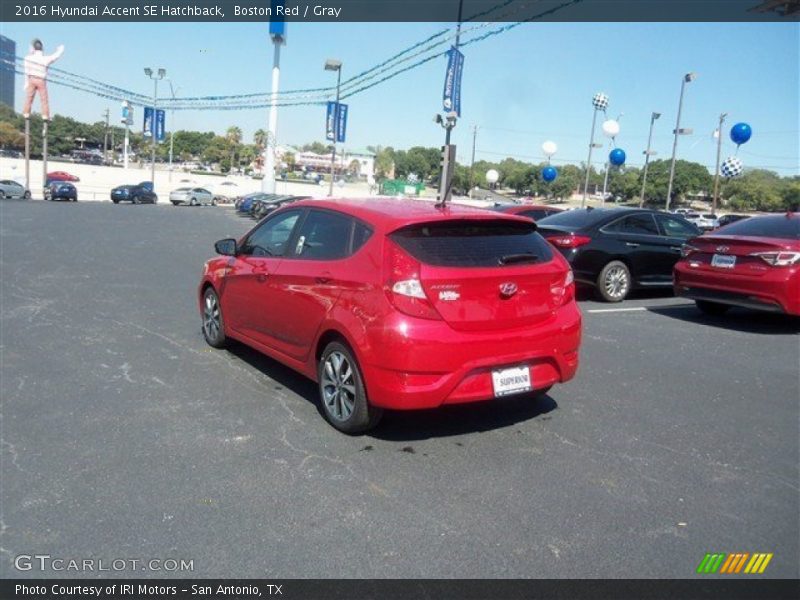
(172, 128)
(472, 161)
(647, 154)
(608, 162)
(688, 78)
(599, 102)
(334, 65)
(277, 31)
(155, 77)
(716, 170)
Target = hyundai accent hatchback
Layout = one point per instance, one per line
(397, 304)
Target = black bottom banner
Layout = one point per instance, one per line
(400, 589)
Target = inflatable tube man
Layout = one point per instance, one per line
(36, 65)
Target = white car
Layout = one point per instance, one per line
(227, 191)
(705, 221)
(12, 189)
(192, 196)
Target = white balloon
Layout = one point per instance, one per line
(492, 176)
(549, 148)
(610, 128)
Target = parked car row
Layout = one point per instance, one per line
(259, 204)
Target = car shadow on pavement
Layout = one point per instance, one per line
(475, 417)
(586, 293)
(736, 319)
(411, 425)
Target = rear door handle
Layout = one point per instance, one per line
(323, 278)
(631, 245)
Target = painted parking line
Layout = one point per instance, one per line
(639, 308)
(615, 310)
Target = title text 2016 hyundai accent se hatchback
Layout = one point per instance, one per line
(397, 304)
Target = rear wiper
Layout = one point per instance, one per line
(509, 259)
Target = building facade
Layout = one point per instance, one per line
(8, 53)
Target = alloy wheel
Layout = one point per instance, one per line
(211, 316)
(338, 386)
(616, 282)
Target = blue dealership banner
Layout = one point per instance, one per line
(451, 96)
(147, 129)
(160, 125)
(330, 122)
(341, 123)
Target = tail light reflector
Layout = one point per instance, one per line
(569, 241)
(403, 287)
(778, 259)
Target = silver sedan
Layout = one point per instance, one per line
(192, 196)
(12, 189)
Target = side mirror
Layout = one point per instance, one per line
(226, 247)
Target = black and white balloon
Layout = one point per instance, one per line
(600, 101)
(731, 167)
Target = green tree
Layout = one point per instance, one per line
(757, 189)
(234, 137)
(11, 137)
(690, 178)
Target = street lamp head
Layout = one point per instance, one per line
(148, 71)
(332, 64)
(656, 115)
(162, 73)
(689, 77)
(437, 118)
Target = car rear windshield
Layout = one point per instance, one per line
(783, 227)
(574, 219)
(473, 243)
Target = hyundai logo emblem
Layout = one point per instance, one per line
(722, 248)
(508, 289)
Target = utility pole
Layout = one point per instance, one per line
(647, 154)
(689, 77)
(472, 161)
(716, 171)
(105, 138)
(334, 65)
(171, 129)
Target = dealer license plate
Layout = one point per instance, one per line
(511, 381)
(724, 261)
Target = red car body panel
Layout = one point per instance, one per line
(289, 309)
(62, 176)
(518, 209)
(751, 282)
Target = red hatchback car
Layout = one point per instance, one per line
(753, 263)
(397, 304)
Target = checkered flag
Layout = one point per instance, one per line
(600, 101)
(731, 167)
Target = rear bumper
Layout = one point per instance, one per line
(777, 290)
(426, 364)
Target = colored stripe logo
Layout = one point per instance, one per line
(734, 563)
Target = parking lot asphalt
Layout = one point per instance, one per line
(125, 436)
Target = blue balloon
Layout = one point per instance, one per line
(549, 173)
(617, 157)
(740, 133)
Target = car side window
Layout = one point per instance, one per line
(271, 237)
(360, 236)
(673, 227)
(323, 235)
(634, 224)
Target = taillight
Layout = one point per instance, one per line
(403, 287)
(688, 250)
(569, 241)
(778, 259)
(564, 291)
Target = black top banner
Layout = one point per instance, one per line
(400, 589)
(398, 10)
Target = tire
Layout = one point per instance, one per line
(136, 200)
(175, 203)
(213, 323)
(342, 395)
(193, 202)
(115, 201)
(213, 202)
(712, 308)
(26, 195)
(614, 281)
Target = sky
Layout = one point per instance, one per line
(530, 84)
